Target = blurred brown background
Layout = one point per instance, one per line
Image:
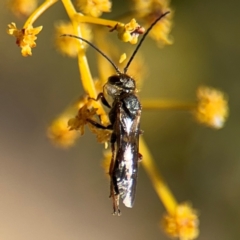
(53, 194)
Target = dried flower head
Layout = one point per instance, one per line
(129, 32)
(22, 8)
(212, 107)
(183, 224)
(25, 37)
(94, 8)
(67, 45)
(60, 134)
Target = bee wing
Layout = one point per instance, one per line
(126, 161)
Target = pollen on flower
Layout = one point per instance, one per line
(94, 8)
(67, 45)
(183, 224)
(22, 8)
(129, 32)
(212, 107)
(60, 134)
(25, 37)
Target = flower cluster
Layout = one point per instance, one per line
(148, 11)
(182, 224)
(25, 37)
(22, 8)
(129, 32)
(94, 8)
(211, 107)
(68, 46)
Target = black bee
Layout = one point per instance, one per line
(124, 116)
(119, 94)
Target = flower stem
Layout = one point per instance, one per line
(167, 104)
(88, 19)
(38, 12)
(159, 185)
(85, 74)
(86, 77)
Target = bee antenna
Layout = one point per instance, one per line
(97, 49)
(142, 39)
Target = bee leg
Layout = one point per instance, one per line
(115, 200)
(98, 125)
(114, 194)
(116, 210)
(103, 100)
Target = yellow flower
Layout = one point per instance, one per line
(22, 8)
(129, 32)
(85, 114)
(67, 45)
(60, 134)
(78, 122)
(183, 224)
(148, 7)
(143, 6)
(94, 8)
(149, 11)
(212, 107)
(25, 37)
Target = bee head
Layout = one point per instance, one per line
(123, 82)
(119, 84)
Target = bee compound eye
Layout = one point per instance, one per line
(115, 80)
